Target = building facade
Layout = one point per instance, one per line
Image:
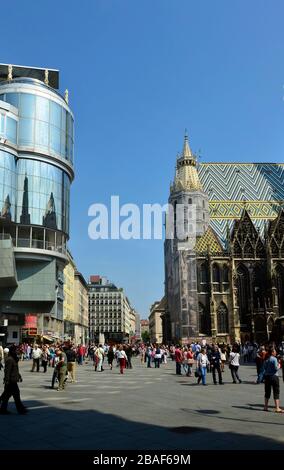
(110, 312)
(81, 309)
(137, 326)
(36, 172)
(229, 284)
(69, 298)
(155, 321)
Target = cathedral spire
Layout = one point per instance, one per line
(186, 153)
(186, 178)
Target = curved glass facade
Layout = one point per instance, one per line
(44, 125)
(7, 186)
(34, 193)
(42, 195)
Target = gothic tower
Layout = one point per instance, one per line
(187, 197)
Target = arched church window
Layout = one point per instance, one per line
(225, 273)
(216, 278)
(243, 292)
(258, 287)
(222, 318)
(216, 273)
(204, 320)
(203, 274)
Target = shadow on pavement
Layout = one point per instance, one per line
(51, 427)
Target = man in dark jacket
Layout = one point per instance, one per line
(215, 361)
(11, 379)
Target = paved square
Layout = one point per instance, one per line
(142, 409)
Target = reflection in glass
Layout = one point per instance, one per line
(6, 209)
(48, 194)
(49, 219)
(7, 185)
(25, 217)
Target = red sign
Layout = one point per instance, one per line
(30, 321)
(29, 332)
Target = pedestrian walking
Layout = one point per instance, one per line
(100, 355)
(61, 367)
(110, 357)
(216, 362)
(202, 363)
(71, 362)
(234, 364)
(157, 357)
(271, 380)
(178, 359)
(11, 379)
(122, 358)
(36, 356)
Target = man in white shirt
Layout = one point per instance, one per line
(37, 353)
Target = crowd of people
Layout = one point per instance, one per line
(197, 360)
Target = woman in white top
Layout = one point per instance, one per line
(122, 358)
(234, 364)
(202, 362)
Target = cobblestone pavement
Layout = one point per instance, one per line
(142, 409)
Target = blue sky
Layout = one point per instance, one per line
(138, 73)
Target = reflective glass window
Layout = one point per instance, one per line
(7, 185)
(11, 129)
(42, 108)
(55, 114)
(27, 105)
(43, 195)
(69, 125)
(55, 139)
(2, 124)
(41, 134)
(26, 132)
(13, 99)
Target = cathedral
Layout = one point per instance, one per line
(229, 285)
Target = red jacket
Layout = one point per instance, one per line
(178, 355)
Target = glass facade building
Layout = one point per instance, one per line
(36, 164)
(36, 172)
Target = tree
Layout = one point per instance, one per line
(145, 336)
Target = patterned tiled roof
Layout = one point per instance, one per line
(208, 242)
(231, 187)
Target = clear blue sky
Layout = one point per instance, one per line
(138, 73)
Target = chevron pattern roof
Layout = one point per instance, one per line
(259, 187)
(208, 242)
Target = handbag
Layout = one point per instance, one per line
(190, 361)
(197, 373)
